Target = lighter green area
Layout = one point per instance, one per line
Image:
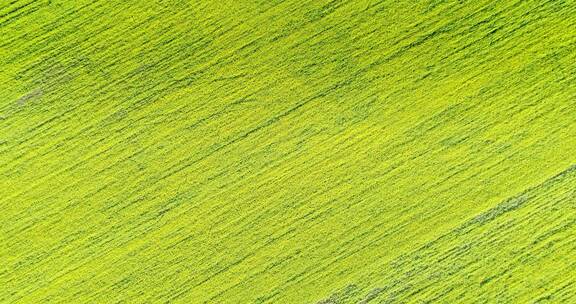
(287, 151)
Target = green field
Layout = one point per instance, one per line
(283, 151)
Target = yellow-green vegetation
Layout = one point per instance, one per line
(253, 151)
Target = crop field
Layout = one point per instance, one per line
(287, 151)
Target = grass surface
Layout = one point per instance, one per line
(287, 151)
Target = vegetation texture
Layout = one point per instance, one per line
(310, 151)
